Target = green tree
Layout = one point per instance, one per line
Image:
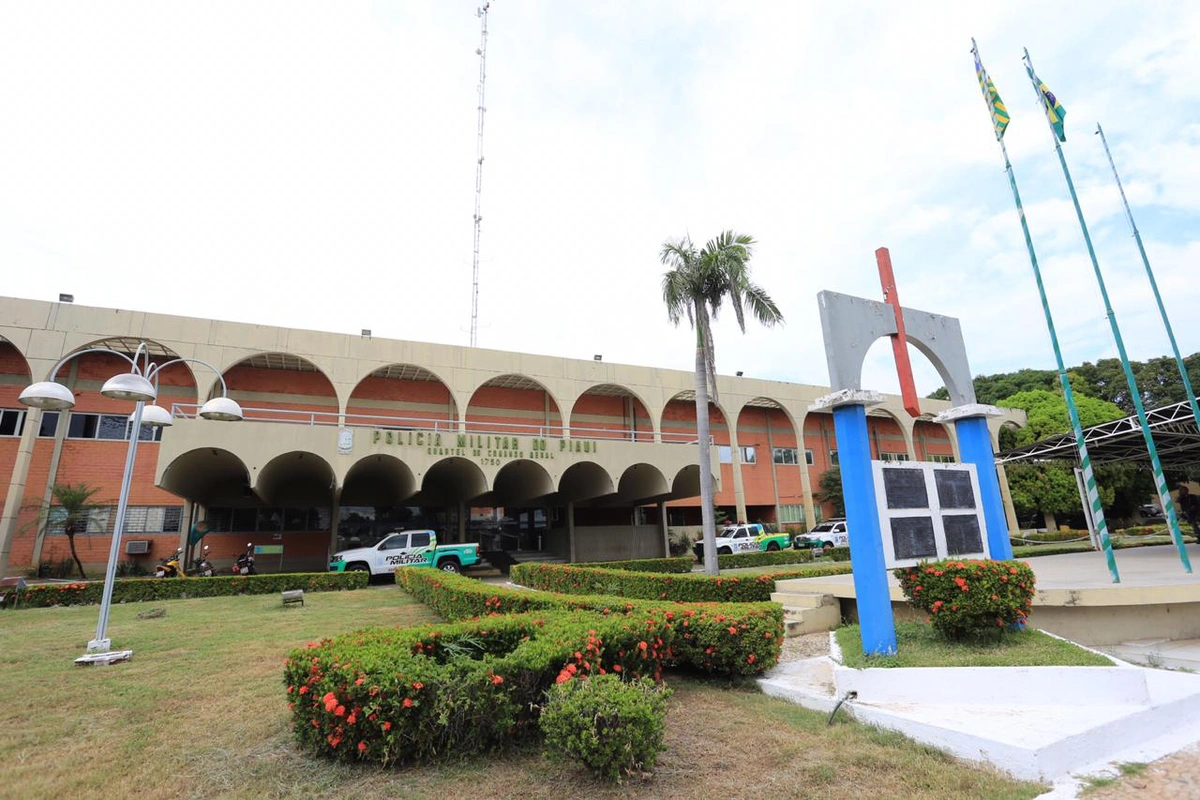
(70, 506)
(830, 491)
(698, 282)
(1051, 488)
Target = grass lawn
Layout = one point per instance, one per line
(200, 712)
(920, 646)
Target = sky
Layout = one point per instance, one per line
(312, 165)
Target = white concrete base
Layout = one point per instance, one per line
(1038, 723)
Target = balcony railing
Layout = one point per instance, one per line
(289, 416)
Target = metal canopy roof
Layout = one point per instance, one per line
(1120, 441)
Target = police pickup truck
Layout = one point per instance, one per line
(743, 539)
(406, 549)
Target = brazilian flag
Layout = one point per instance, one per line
(992, 97)
(1054, 109)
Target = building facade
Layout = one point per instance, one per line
(346, 438)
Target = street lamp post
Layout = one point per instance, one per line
(140, 385)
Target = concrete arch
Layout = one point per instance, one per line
(208, 475)
(520, 483)
(246, 388)
(531, 421)
(378, 480)
(296, 478)
(452, 480)
(1001, 431)
(925, 422)
(584, 481)
(182, 375)
(386, 379)
(642, 483)
(689, 396)
(11, 357)
(686, 482)
(587, 430)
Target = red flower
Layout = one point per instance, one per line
(303, 690)
(616, 667)
(362, 747)
(387, 726)
(408, 703)
(497, 680)
(350, 720)
(330, 701)
(642, 645)
(418, 685)
(340, 711)
(359, 682)
(750, 659)
(563, 677)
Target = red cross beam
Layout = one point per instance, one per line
(908, 389)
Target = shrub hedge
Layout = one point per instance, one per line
(717, 638)
(132, 591)
(970, 598)
(403, 695)
(613, 728)
(671, 565)
(695, 587)
(764, 559)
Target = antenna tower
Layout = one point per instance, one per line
(482, 13)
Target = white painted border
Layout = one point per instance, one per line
(934, 510)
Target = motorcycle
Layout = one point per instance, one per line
(169, 567)
(203, 567)
(245, 562)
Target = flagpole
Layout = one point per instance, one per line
(1160, 482)
(1137, 237)
(1085, 461)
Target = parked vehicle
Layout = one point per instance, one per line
(406, 549)
(169, 567)
(1151, 513)
(245, 562)
(203, 567)
(830, 533)
(743, 539)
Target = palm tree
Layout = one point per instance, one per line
(696, 285)
(71, 505)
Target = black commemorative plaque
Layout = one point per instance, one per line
(963, 536)
(912, 537)
(954, 488)
(905, 488)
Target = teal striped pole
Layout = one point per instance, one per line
(1085, 461)
(1160, 482)
(1137, 237)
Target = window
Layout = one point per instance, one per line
(12, 421)
(247, 520)
(833, 458)
(397, 542)
(940, 459)
(790, 455)
(791, 513)
(107, 426)
(49, 424)
(97, 521)
(893, 456)
(419, 540)
(749, 455)
(153, 519)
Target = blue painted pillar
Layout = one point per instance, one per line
(862, 523)
(975, 446)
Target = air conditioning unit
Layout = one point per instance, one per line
(137, 547)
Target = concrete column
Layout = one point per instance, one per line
(774, 475)
(185, 529)
(16, 486)
(976, 445)
(666, 536)
(463, 512)
(571, 529)
(866, 544)
(907, 430)
(335, 508)
(60, 435)
(735, 455)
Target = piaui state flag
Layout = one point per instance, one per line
(1054, 109)
(995, 104)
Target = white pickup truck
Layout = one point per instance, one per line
(406, 549)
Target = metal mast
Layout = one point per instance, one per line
(482, 13)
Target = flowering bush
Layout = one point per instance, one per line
(577, 579)
(717, 638)
(134, 590)
(970, 598)
(763, 558)
(613, 728)
(404, 695)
